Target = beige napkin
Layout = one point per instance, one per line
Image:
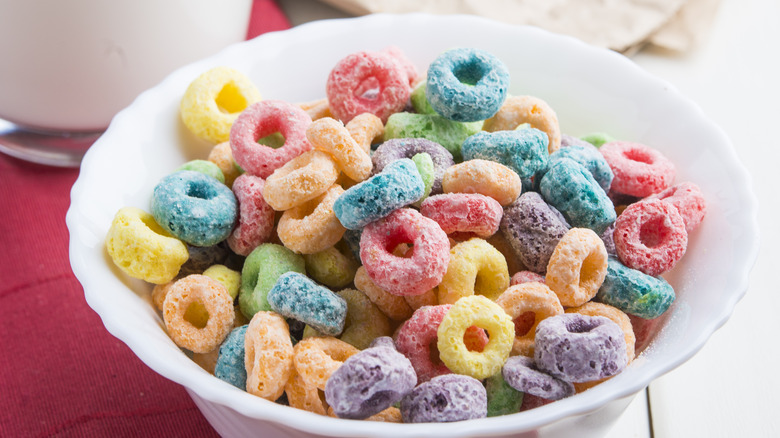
(622, 25)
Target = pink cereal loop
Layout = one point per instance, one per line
(689, 201)
(521, 277)
(268, 355)
(464, 212)
(262, 119)
(404, 62)
(210, 294)
(639, 169)
(255, 216)
(330, 135)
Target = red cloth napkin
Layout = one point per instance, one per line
(61, 372)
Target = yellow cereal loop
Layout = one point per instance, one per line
(528, 304)
(222, 156)
(365, 129)
(517, 110)
(331, 136)
(268, 356)
(142, 249)
(312, 226)
(577, 267)
(316, 358)
(394, 306)
(364, 321)
(484, 177)
(229, 278)
(185, 296)
(476, 267)
(475, 310)
(214, 100)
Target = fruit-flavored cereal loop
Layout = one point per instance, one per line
(590, 158)
(580, 348)
(445, 398)
(316, 358)
(394, 306)
(367, 82)
(619, 317)
(369, 382)
(521, 277)
(230, 362)
(295, 296)
(255, 216)
(142, 249)
(399, 184)
(476, 267)
(229, 278)
(364, 321)
(484, 177)
(204, 167)
(260, 120)
(214, 100)
(639, 170)
(412, 275)
(521, 300)
(517, 110)
(689, 201)
(222, 156)
(426, 169)
(650, 236)
(213, 297)
(433, 127)
(268, 355)
(479, 311)
(194, 207)
(466, 84)
(331, 136)
(524, 151)
(398, 148)
(464, 212)
(502, 398)
(577, 267)
(312, 226)
(365, 129)
(302, 395)
(316, 109)
(520, 373)
(635, 292)
(261, 270)
(299, 180)
(334, 267)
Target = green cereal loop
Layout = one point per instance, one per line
(419, 101)
(331, 267)
(502, 398)
(431, 127)
(261, 270)
(424, 164)
(229, 278)
(204, 167)
(598, 138)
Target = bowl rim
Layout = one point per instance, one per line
(215, 390)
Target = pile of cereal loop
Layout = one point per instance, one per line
(417, 248)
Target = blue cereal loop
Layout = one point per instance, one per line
(194, 207)
(571, 189)
(522, 150)
(590, 158)
(466, 84)
(230, 362)
(398, 185)
(296, 296)
(635, 292)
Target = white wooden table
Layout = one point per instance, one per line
(730, 388)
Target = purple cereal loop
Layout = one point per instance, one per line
(398, 148)
(521, 374)
(446, 398)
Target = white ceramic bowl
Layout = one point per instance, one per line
(591, 89)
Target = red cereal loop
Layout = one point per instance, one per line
(650, 236)
(260, 120)
(416, 273)
(689, 200)
(521, 277)
(639, 170)
(418, 334)
(406, 64)
(255, 216)
(464, 212)
(366, 82)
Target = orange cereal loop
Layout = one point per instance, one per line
(577, 267)
(330, 135)
(485, 177)
(394, 306)
(268, 355)
(389, 415)
(528, 304)
(301, 179)
(429, 298)
(364, 321)
(476, 267)
(188, 293)
(312, 226)
(316, 358)
(316, 109)
(222, 156)
(365, 129)
(214, 100)
(518, 110)
(302, 395)
(592, 308)
(158, 294)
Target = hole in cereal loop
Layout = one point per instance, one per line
(230, 100)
